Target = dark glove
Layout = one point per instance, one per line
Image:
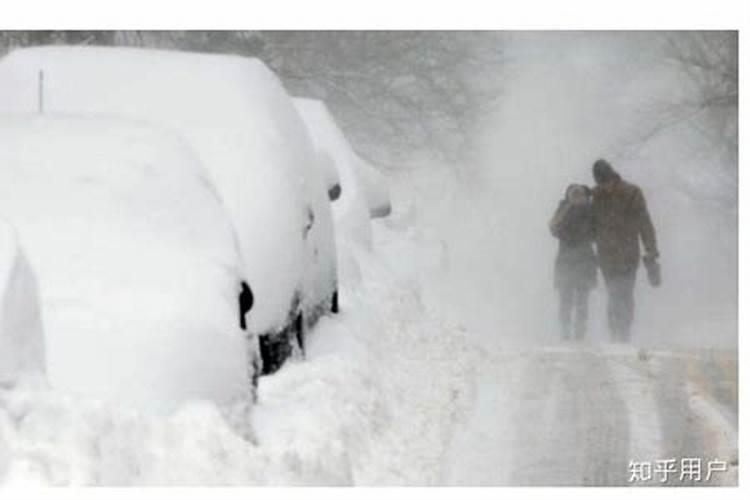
(653, 270)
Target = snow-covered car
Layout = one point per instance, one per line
(21, 332)
(364, 192)
(137, 262)
(235, 113)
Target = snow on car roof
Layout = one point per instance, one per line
(137, 262)
(324, 131)
(232, 109)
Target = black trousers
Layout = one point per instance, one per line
(574, 309)
(621, 303)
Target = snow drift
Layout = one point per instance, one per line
(21, 332)
(383, 387)
(137, 262)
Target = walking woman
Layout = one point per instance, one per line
(575, 265)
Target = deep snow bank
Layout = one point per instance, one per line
(376, 401)
(21, 331)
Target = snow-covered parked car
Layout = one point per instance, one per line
(364, 192)
(137, 262)
(21, 332)
(246, 131)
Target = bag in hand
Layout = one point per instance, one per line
(653, 270)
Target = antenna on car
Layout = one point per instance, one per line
(41, 91)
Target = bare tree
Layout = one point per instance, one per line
(709, 63)
(12, 39)
(704, 101)
(397, 93)
(246, 43)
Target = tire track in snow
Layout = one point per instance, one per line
(673, 411)
(571, 428)
(481, 451)
(637, 391)
(579, 415)
(719, 429)
(544, 449)
(719, 435)
(681, 430)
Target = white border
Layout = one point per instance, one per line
(395, 14)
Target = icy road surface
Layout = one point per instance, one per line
(579, 415)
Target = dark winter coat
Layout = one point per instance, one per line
(575, 265)
(620, 218)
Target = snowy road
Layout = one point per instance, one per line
(578, 416)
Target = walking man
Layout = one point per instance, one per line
(621, 218)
